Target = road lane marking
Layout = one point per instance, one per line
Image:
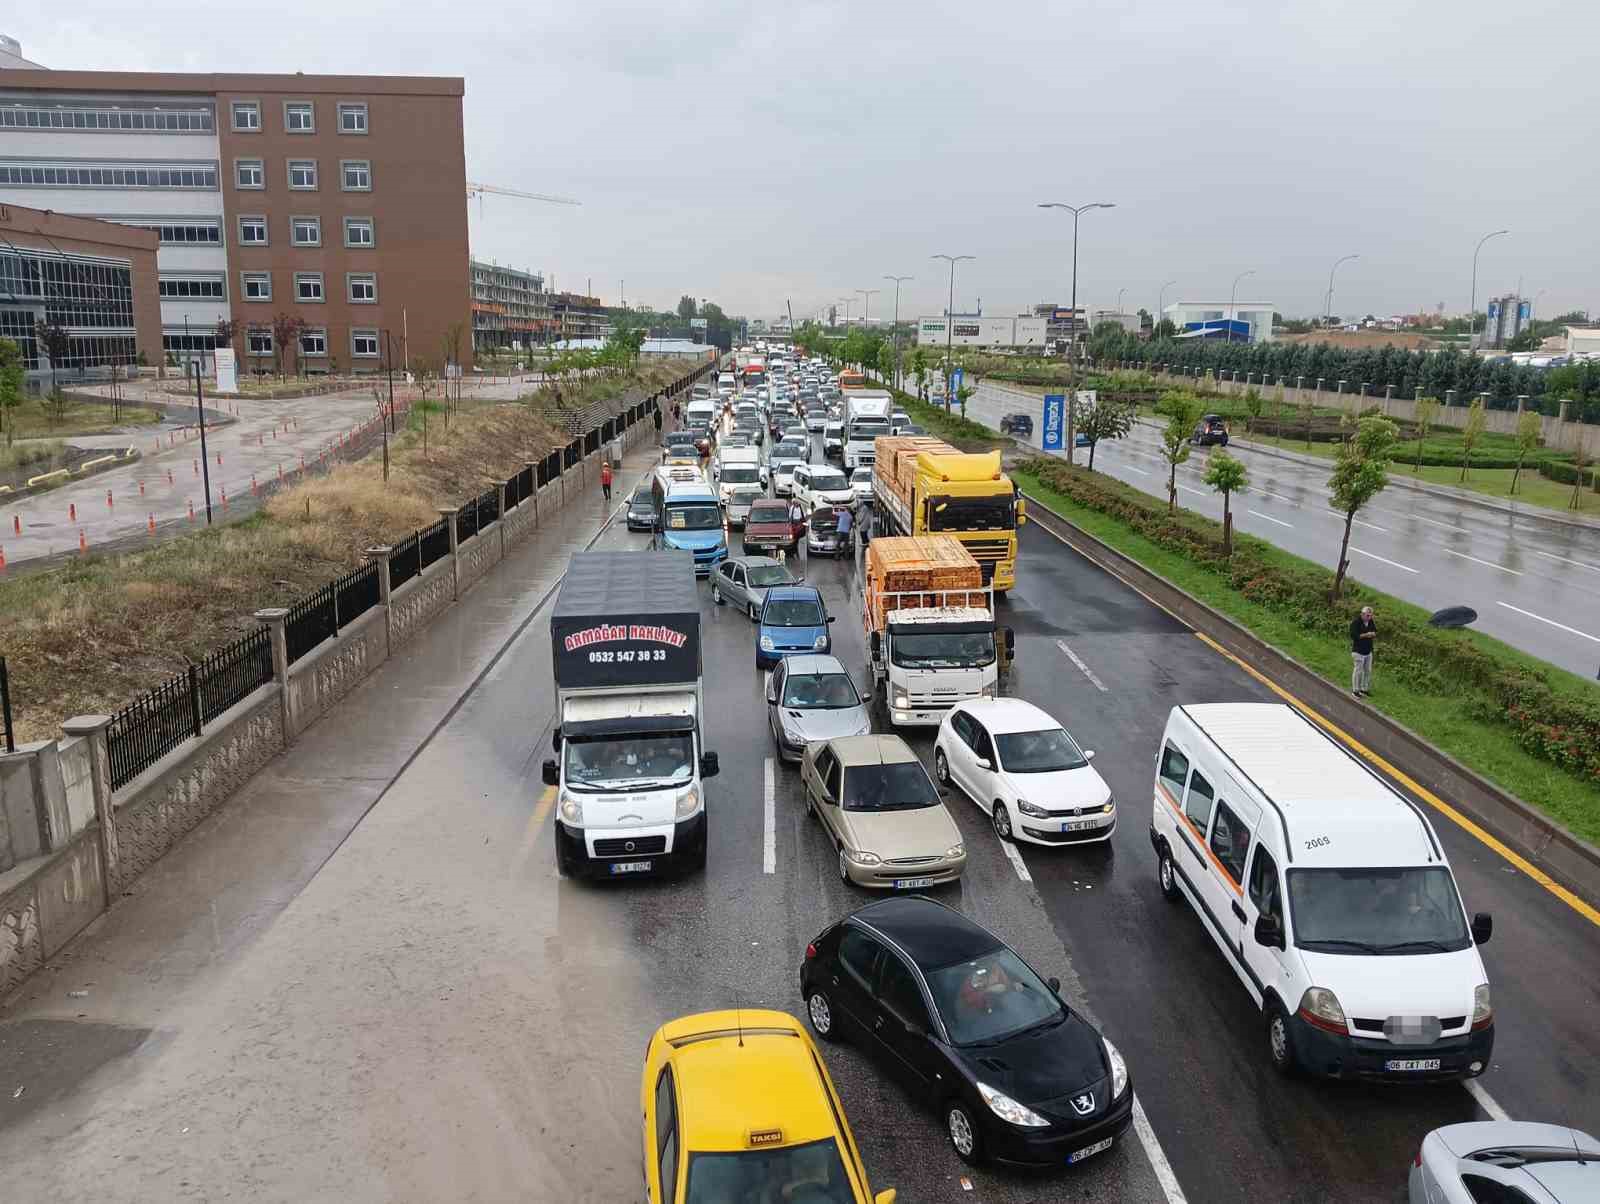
(1582, 906)
(1083, 668)
(1187, 489)
(769, 822)
(1385, 560)
(1593, 568)
(1158, 1158)
(1360, 522)
(1279, 496)
(1009, 848)
(1270, 519)
(1130, 468)
(1486, 1101)
(1552, 622)
(1486, 564)
(530, 834)
(1436, 523)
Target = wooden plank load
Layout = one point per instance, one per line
(921, 568)
(896, 460)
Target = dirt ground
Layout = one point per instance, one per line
(1360, 340)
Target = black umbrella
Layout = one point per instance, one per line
(1453, 616)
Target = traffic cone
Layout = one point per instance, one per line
(72, 512)
(16, 523)
(109, 503)
(141, 488)
(224, 497)
(191, 510)
(152, 524)
(83, 544)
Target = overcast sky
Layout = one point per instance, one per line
(756, 153)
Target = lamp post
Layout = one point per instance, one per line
(950, 320)
(1120, 291)
(898, 280)
(200, 417)
(1472, 314)
(866, 302)
(1072, 346)
(1234, 295)
(1327, 301)
(1161, 305)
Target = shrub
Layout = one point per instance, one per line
(1567, 474)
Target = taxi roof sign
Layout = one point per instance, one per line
(760, 1137)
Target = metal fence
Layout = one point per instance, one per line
(230, 673)
(519, 488)
(405, 560)
(433, 544)
(354, 594)
(311, 620)
(151, 726)
(467, 521)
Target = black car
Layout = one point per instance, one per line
(683, 442)
(968, 1026)
(1213, 428)
(1016, 424)
(641, 509)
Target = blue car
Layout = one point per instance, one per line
(793, 621)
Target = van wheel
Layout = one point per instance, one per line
(1167, 875)
(1280, 1041)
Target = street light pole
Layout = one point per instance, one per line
(200, 417)
(1120, 291)
(1327, 301)
(1161, 306)
(1072, 348)
(1472, 315)
(950, 320)
(897, 282)
(866, 302)
(1234, 295)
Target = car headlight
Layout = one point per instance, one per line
(688, 803)
(1119, 1069)
(571, 811)
(901, 699)
(1321, 1007)
(1007, 1109)
(1482, 1012)
(956, 850)
(820, 642)
(862, 857)
(1027, 808)
(1111, 805)
(766, 643)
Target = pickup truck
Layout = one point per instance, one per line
(768, 529)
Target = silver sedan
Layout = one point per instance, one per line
(744, 581)
(1505, 1160)
(812, 698)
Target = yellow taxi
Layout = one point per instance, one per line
(738, 1109)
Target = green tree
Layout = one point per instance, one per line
(686, 307)
(1106, 419)
(1427, 414)
(885, 363)
(1182, 411)
(1360, 472)
(1164, 329)
(1471, 433)
(1254, 403)
(55, 342)
(1530, 428)
(12, 371)
(1227, 476)
(1105, 342)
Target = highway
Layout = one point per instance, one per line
(1534, 582)
(430, 1012)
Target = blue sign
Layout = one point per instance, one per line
(1524, 311)
(955, 387)
(1055, 405)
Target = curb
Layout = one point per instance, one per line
(1568, 859)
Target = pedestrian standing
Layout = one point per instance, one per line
(655, 415)
(846, 542)
(1363, 631)
(605, 478)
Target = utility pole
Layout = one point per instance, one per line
(200, 417)
(950, 321)
(1327, 302)
(898, 280)
(388, 356)
(866, 302)
(1161, 306)
(1072, 372)
(1472, 316)
(1234, 294)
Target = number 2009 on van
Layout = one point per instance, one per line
(1327, 892)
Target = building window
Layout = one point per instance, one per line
(22, 173)
(253, 231)
(362, 287)
(359, 232)
(258, 341)
(299, 117)
(364, 344)
(257, 286)
(357, 175)
(314, 341)
(191, 288)
(115, 119)
(303, 174)
(246, 116)
(308, 286)
(188, 233)
(305, 231)
(249, 173)
(72, 292)
(353, 118)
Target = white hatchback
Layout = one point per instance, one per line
(1026, 771)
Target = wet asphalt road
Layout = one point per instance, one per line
(1534, 582)
(437, 1015)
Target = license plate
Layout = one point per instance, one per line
(1077, 825)
(1412, 1064)
(630, 867)
(911, 883)
(1089, 1151)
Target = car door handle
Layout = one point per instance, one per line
(1237, 910)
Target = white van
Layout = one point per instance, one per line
(726, 383)
(701, 411)
(1327, 892)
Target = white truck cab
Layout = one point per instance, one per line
(1328, 894)
(736, 468)
(929, 658)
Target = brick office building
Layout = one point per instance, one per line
(338, 200)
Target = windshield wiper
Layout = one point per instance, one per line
(1359, 946)
(1435, 946)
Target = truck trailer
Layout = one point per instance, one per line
(630, 764)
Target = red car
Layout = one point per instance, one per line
(770, 529)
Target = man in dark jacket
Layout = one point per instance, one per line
(1363, 632)
(655, 415)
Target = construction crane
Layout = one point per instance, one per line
(479, 190)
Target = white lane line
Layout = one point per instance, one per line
(1279, 496)
(769, 823)
(1187, 489)
(1360, 522)
(1009, 848)
(1382, 559)
(1486, 564)
(1552, 622)
(1433, 522)
(1593, 568)
(1270, 519)
(1130, 468)
(1486, 1101)
(1083, 668)
(1158, 1158)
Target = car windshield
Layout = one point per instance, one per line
(820, 691)
(595, 763)
(993, 513)
(764, 576)
(1047, 751)
(769, 513)
(680, 439)
(740, 473)
(943, 650)
(804, 1174)
(694, 516)
(828, 479)
(861, 476)
(792, 612)
(744, 497)
(1410, 910)
(903, 786)
(992, 997)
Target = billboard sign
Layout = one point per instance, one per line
(967, 330)
(955, 387)
(227, 370)
(1524, 310)
(1055, 405)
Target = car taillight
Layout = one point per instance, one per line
(1417, 1161)
(811, 952)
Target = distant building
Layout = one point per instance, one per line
(509, 308)
(575, 316)
(1506, 317)
(1239, 321)
(1583, 340)
(1131, 323)
(11, 56)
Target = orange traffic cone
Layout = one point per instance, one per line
(83, 544)
(152, 524)
(72, 512)
(191, 510)
(16, 523)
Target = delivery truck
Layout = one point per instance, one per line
(929, 622)
(631, 763)
(866, 417)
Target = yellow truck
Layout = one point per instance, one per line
(923, 486)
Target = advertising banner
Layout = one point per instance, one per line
(227, 370)
(1055, 421)
(955, 388)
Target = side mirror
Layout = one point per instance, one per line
(552, 775)
(875, 642)
(1269, 932)
(1482, 928)
(555, 739)
(1010, 638)
(833, 618)
(1054, 984)
(1088, 754)
(709, 768)
(984, 763)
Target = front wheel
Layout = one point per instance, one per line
(1167, 875)
(1280, 1041)
(941, 768)
(716, 594)
(963, 1133)
(1001, 817)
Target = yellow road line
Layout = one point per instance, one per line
(530, 834)
(1587, 910)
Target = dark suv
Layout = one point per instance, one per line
(1211, 429)
(1016, 424)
